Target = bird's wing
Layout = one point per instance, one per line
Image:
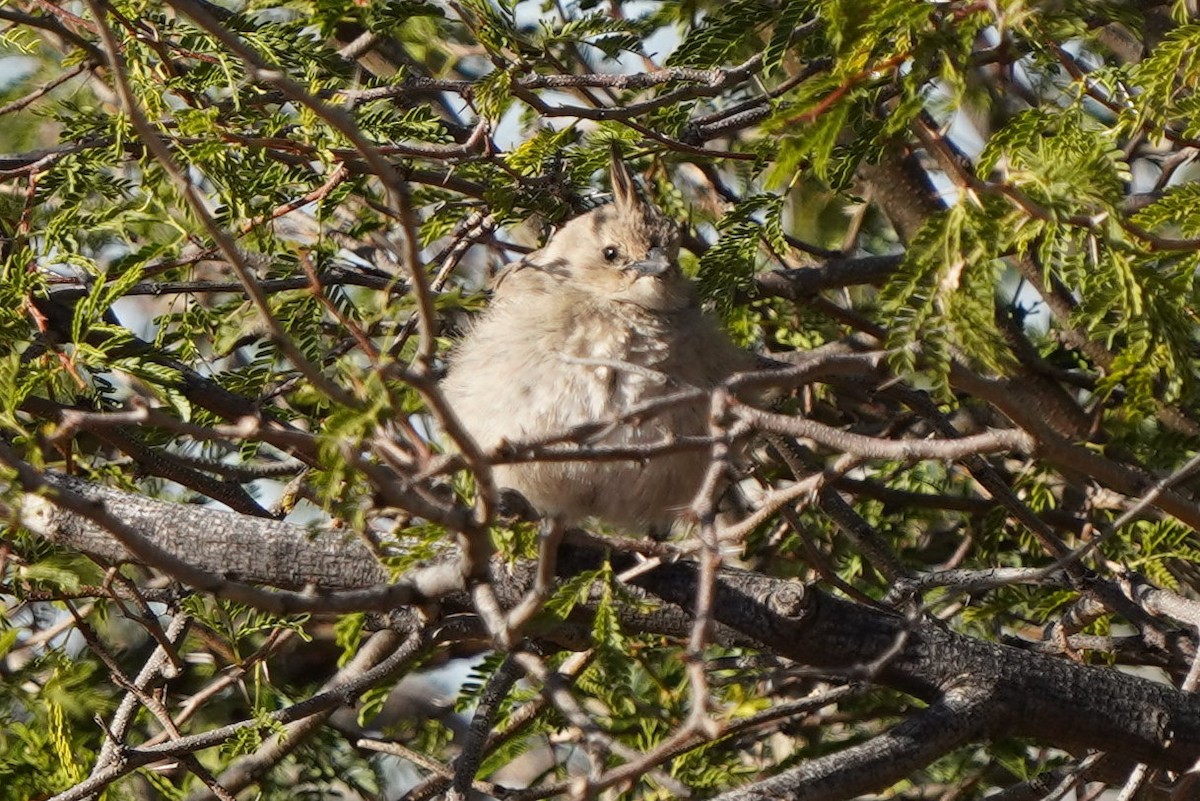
(504, 272)
(524, 277)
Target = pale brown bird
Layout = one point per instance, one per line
(595, 323)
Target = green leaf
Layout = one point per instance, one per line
(730, 28)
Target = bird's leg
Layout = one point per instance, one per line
(550, 534)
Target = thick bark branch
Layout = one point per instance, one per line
(832, 274)
(1055, 701)
(902, 189)
(878, 763)
(233, 546)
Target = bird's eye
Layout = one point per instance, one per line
(611, 253)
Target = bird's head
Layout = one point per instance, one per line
(624, 252)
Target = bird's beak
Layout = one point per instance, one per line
(654, 265)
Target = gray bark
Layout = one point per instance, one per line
(1012, 692)
(233, 546)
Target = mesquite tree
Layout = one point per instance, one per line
(246, 549)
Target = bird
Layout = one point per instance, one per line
(599, 321)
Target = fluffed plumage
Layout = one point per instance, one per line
(598, 321)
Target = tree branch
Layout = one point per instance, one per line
(1058, 702)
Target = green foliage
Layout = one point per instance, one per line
(609, 35)
(47, 739)
(493, 94)
(1069, 224)
(942, 298)
(1176, 213)
(241, 628)
(533, 155)
(791, 14)
(1062, 161)
(1168, 79)
(724, 35)
(726, 270)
